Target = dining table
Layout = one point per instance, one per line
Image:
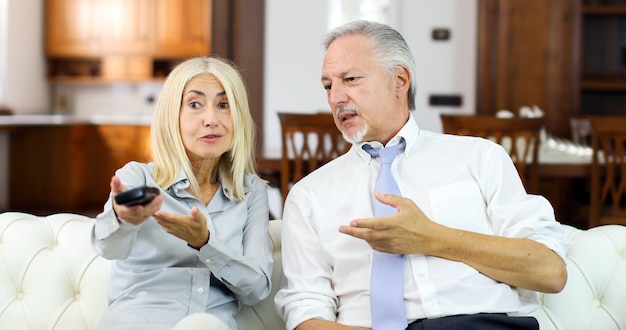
(564, 179)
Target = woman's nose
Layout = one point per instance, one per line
(209, 118)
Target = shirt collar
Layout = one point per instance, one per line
(179, 188)
(182, 183)
(409, 132)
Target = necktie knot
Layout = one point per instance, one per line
(386, 154)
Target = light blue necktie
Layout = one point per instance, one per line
(387, 294)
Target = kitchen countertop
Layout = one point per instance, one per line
(56, 119)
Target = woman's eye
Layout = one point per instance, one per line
(223, 105)
(194, 105)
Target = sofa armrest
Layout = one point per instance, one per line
(263, 315)
(49, 275)
(595, 294)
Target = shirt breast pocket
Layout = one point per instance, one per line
(460, 205)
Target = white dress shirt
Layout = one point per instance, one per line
(467, 183)
(157, 279)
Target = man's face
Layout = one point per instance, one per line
(367, 103)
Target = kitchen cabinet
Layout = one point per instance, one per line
(68, 168)
(49, 168)
(121, 144)
(123, 40)
(131, 68)
(70, 28)
(182, 28)
(89, 28)
(124, 27)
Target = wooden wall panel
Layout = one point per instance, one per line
(528, 55)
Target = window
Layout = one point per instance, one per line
(343, 11)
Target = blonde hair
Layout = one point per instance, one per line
(168, 151)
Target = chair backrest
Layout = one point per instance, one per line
(519, 136)
(308, 142)
(608, 170)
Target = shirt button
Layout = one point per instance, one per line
(200, 290)
(208, 260)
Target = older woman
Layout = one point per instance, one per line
(201, 245)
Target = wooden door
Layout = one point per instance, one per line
(182, 28)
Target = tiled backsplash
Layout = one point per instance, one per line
(105, 99)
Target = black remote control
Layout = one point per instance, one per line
(137, 196)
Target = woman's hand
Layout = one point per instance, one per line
(133, 214)
(191, 228)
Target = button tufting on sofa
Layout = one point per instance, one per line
(65, 287)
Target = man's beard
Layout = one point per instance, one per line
(355, 137)
(358, 136)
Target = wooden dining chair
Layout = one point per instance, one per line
(607, 203)
(519, 136)
(308, 142)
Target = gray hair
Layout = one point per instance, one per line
(389, 46)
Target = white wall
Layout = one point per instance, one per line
(443, 67)
(3, 46)
(23, 83)
(119, 99)
(293, 56)
(293, 60)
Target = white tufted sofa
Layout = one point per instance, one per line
(51, 279)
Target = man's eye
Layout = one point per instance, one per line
(351, 79)
(327, 87)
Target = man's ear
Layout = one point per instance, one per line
(403, 80)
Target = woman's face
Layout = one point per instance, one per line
(206, 124)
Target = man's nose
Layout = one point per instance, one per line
(337, 95)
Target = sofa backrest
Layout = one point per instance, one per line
(50, 278)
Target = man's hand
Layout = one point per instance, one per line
(133, 214)
(402, 233)
(191, 228)
(519, 262)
